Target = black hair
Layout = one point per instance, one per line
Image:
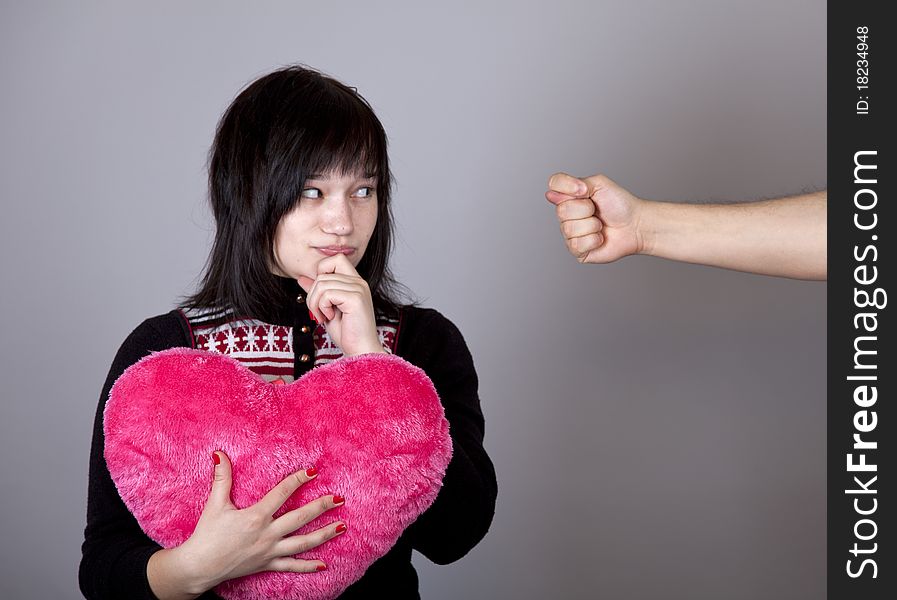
(279, 130)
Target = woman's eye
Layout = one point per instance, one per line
(312, 193)
(365, 192)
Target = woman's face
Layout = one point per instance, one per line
(336, 214)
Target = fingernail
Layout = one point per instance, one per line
(215, 458)
(311, 314)
(321, 568)
(338, 499)
(311, 472)
(341, 528)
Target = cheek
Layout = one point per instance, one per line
(288, 239)
(367, 220)
(278, 251)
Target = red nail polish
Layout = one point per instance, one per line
(338, 499)
(311, 472)
(341, 528)
(312, 315)
(215, 458)
(321, 568)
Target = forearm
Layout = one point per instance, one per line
(462, 513)
(114, 566)
(785, 237)
(116, 551)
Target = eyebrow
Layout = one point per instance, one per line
(327, 177)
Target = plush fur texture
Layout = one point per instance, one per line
(373, 425)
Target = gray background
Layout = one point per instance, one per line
(658, 428)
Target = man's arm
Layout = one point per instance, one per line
(602, 222)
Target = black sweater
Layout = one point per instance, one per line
(115, 551)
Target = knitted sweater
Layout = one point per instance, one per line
(115, 551)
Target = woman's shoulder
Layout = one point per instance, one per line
(427, 329)
(422, 317)
(162, 331)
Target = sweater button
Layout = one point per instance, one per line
(300, 299)
(305, 329)
(304, 358)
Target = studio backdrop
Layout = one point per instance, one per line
(657, 428)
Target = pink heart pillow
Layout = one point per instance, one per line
(372, 424)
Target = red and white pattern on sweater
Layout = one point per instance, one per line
(266, 348)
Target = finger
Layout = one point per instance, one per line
(332, 266)
(297, 544)
(345, 301)
(580, 227)
(296, 565)
(338, 263)
(334, 287)
(281, 492)
(348, 279)
(557, 197)
(221, 480)
(339, 282)
(575, 209)
(580, 246)
(597, 184)
(311, 302)
(291, 521)
(567, 184)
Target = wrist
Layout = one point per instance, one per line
(172, 574)
(644, 217)
(368, 349)
(194, 569)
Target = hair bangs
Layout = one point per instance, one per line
(345, 141)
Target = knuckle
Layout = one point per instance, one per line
(301, 516)
(254, 519)
(567, 228)
(282, 493)
(303, 544)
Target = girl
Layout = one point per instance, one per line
(300, 189)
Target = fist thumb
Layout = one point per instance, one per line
(567, 184)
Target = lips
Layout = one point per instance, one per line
(334, 250)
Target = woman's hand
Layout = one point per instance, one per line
(229, 542)
(341, 300)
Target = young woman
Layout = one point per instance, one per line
(297, 277)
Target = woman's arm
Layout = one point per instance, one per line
(463, 510)
(115, 551)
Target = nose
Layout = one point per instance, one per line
(337, 218)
